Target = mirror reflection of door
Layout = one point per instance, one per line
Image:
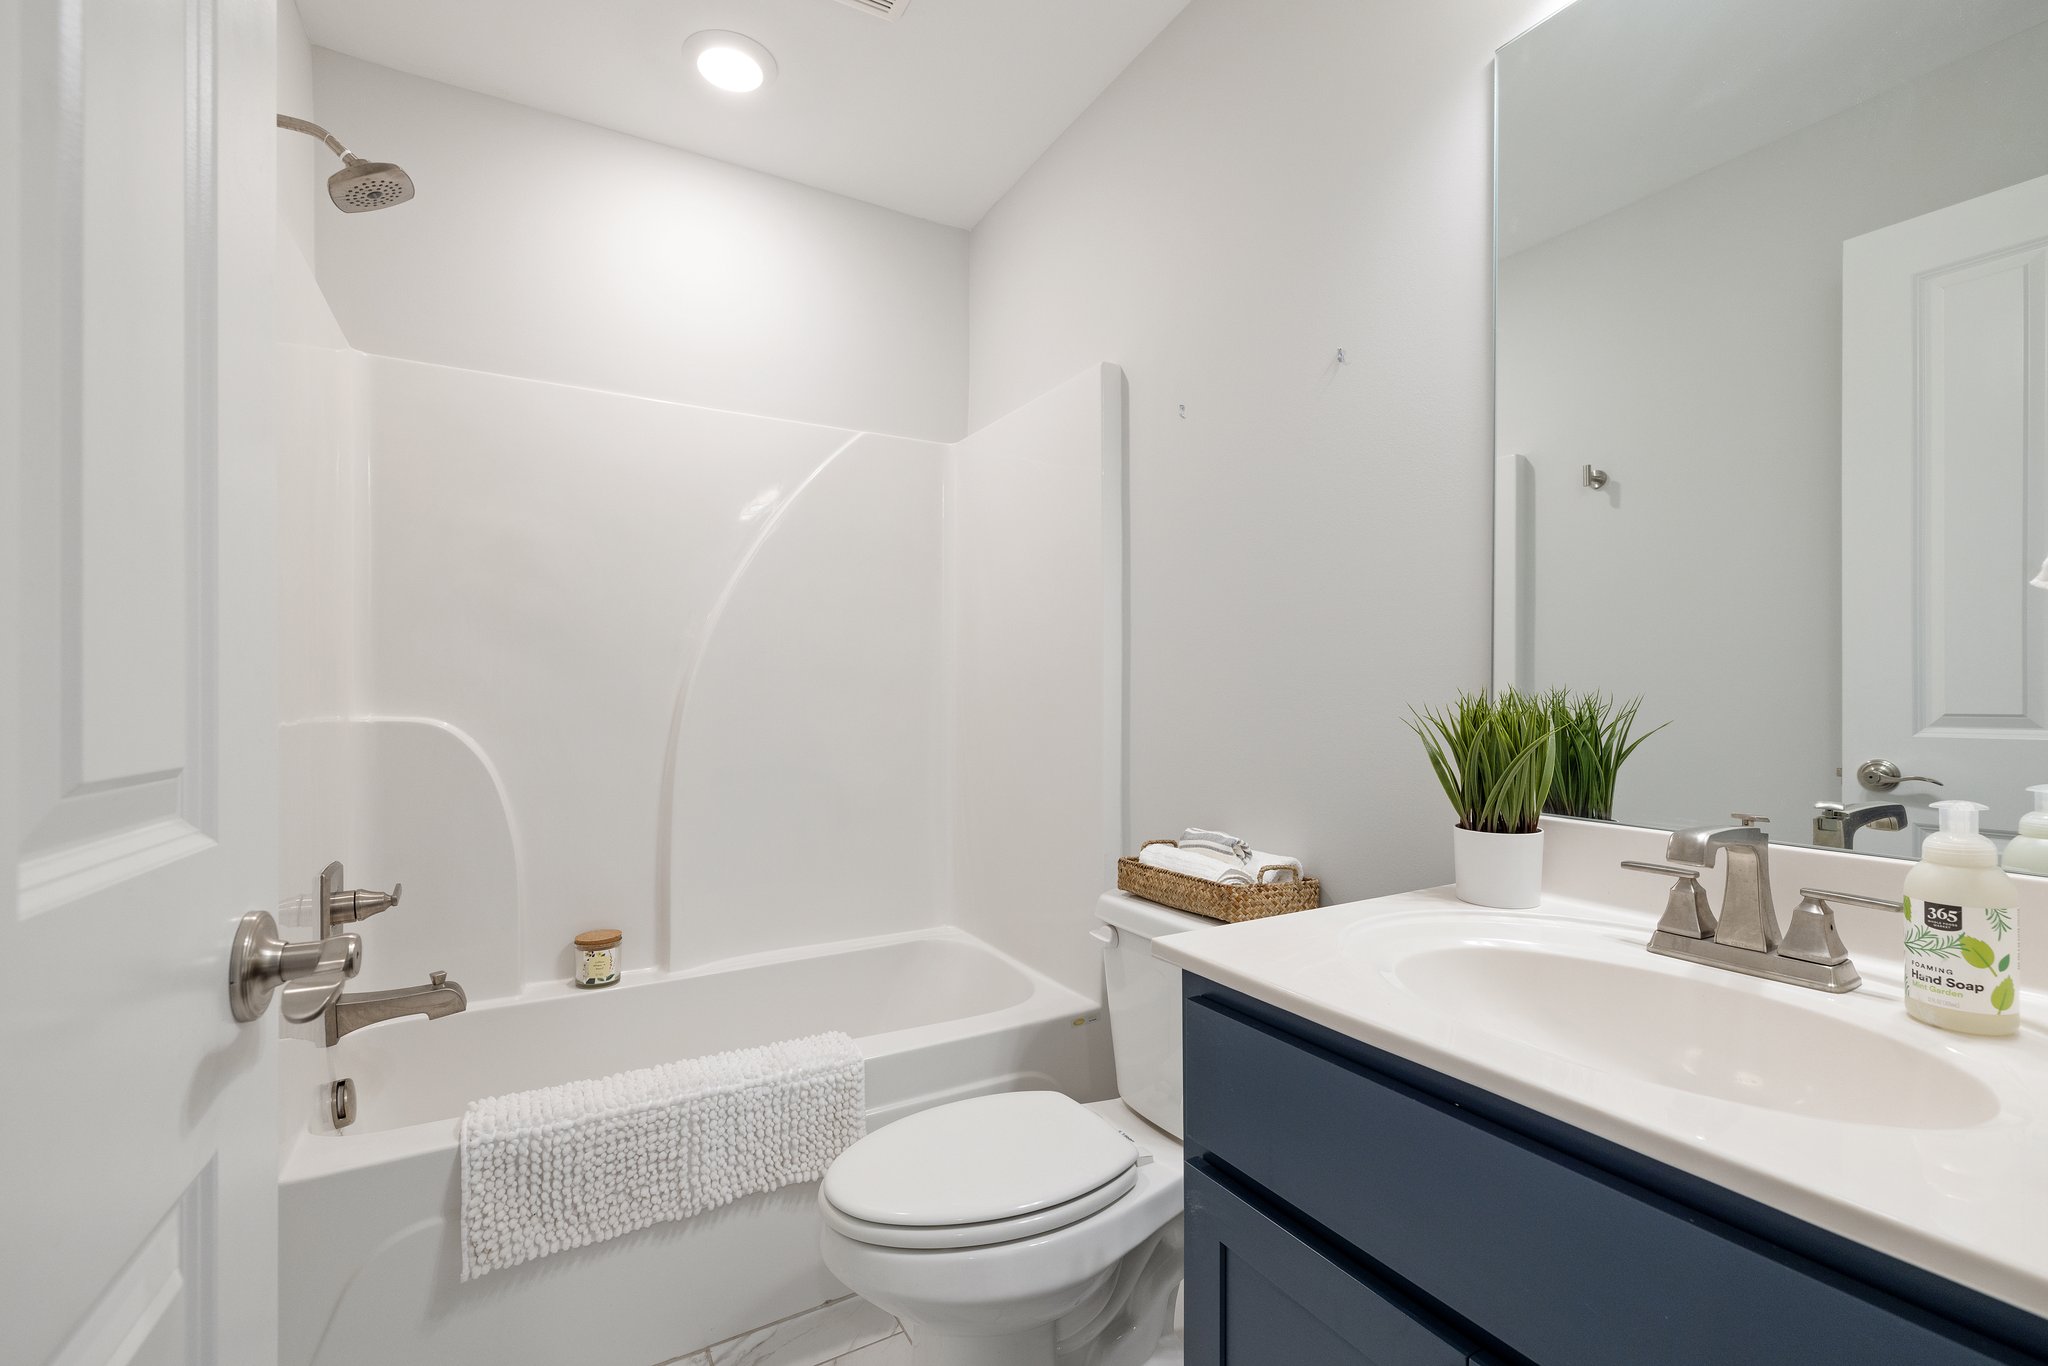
(1945, 507)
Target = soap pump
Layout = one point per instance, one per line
(2027, 852)
(1962, 930)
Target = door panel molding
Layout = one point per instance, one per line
(1977, 455)
(154, 1310)
(124, 782)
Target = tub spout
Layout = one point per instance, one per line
(437, 998)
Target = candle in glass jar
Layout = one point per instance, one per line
(597, 958)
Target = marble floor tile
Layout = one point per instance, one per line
(809, 1339)
(892, 1351)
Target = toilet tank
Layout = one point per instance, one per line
(1144, 1004)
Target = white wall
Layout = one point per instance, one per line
(702, 685)
(550, 249)
(298, 156)
(321, 493)
(805, 802)
(1035, 624)
(1691, 345)
(1309, 544)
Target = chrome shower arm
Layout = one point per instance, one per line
(314, 130)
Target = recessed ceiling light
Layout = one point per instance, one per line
(733, 62)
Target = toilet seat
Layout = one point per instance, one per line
(977, 1172)
(984, 1234)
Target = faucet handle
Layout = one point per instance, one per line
(1811, 937)
(1686, 912)
(261, 961)
(1853, 898)
(355, 907)
(1748, 820)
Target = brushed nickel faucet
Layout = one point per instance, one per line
(343, 1012)
(1835, 825)
(1748, 920)
(438, 997)
(1746, 936)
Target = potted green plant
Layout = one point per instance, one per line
(1496, 756)
(1594, 739)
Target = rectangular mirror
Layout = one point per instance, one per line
(1772, 392)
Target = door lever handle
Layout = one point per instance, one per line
(261, 961)
(1882, 775)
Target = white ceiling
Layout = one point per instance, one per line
(1613, 100)
(935, 113)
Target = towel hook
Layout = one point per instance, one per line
(1592, 478)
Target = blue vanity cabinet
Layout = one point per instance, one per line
(1275, 1295)
(1345, 1205)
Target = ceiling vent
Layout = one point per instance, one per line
(883, 9)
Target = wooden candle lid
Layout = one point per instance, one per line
(598, 939)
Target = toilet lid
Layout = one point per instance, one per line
(976, 1161)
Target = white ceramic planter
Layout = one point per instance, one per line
(1501, 871)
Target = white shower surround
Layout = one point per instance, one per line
(730, 684)
(748, 690)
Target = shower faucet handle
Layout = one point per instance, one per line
(354, 906)
(261, 961)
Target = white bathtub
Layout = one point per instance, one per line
(368, 1217)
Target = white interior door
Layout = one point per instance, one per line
(1945, 503)
(137, 725)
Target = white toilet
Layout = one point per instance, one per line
(1024, 1229)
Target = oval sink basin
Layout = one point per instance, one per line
(1729, 1042)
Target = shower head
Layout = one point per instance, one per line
(359, 186)
(362, 186)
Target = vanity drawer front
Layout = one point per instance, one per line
(1260, 1294)
(1568, 1265)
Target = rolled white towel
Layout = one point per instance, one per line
(1232, 849)
(1215, 841)
(1272, 867)
(1195, 863)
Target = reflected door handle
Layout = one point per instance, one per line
(261, 961)
(1882, 775)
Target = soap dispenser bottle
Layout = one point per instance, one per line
(1962, 930)
(2027, 852)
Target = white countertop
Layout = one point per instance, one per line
(1968, 1202)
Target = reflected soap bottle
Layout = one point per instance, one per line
(1962, 930)
(2028, 850)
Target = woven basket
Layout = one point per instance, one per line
(1213, 899)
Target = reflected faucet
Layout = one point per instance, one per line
(1835, 825)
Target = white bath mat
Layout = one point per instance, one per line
(567, 1166)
